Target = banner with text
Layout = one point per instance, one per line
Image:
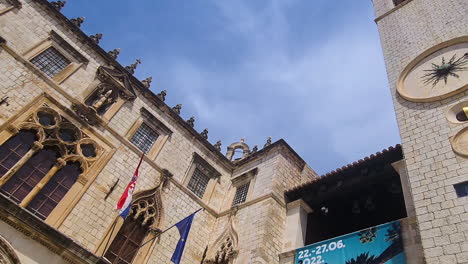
(380, 244)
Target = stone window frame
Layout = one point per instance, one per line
(72, 197)
(13, 4)
(151, 121)
(240, 180)
(143, 253)
(64, 48)
(201, 164)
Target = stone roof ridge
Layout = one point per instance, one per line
(349, 166)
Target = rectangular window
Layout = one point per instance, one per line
(198, 183)
(397, 2)
(241, 194)
(461, 189)
(51, 62)
(144, 138)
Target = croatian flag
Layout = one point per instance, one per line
(125, 201)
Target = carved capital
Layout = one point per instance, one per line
(60, 163)
(82, 179)
(37, 146)
(12, 129)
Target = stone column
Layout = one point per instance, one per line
(35, 148)
(296, 225)
(60, 164)
(400, 167)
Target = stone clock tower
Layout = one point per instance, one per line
(425, 44)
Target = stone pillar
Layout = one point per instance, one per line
(400, 167)
(296, 225)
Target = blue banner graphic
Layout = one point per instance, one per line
(376, 245)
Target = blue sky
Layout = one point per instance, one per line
(311, 72)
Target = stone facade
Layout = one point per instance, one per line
(105, 105)
(407, 31)
(86, 214)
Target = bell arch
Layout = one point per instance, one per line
(237, 145)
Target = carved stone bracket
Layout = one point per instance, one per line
(87, 114)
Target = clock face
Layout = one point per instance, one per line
(436, 74)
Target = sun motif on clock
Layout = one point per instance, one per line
(444, 70)
(437, 73)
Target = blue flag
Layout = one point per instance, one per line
(184, 229)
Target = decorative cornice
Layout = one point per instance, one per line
(36, 229)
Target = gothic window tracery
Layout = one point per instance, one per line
(144, 217)
(45, 156)
(224, 249)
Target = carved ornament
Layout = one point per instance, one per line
(438, 73)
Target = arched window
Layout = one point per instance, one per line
(23, 181)
(126, 243)
(12, 150)
(55, 189)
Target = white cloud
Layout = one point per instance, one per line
(327, 97)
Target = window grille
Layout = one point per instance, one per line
(54, 191)
(198, 183)
(241, 194)
(398, 2)
(30, 174)
(50, 61)
(144, 138)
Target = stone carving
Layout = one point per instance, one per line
(55, 130)
(77, 21)
(224, 249)
(204, 133)
(101, 99)
(268, 142)
(114, 53)
(162, 95)
(191, 121)
(58, 4)
(255, 149)
(147, 208)
(147, 82)
(132, 67)
(177, 108)
(217, 146)
(7, 253)
(437, 73)
(119, 79)
(96, 38)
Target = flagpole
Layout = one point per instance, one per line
(162, 232)
(115, 222)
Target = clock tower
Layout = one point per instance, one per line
(425, 45)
